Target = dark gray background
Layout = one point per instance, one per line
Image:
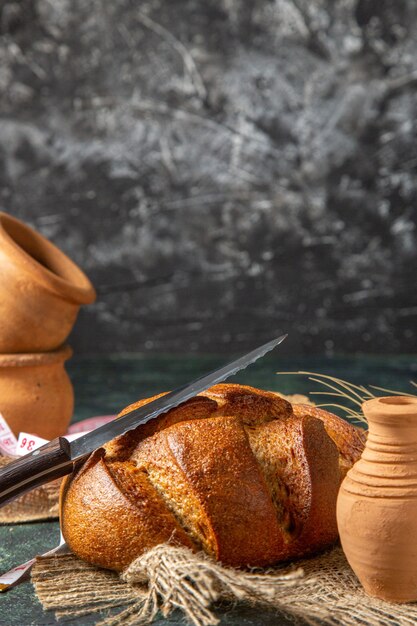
(224, 170)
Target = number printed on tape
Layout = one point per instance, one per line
(8, 441)
(28, 443)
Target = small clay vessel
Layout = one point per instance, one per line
(377, 503)
(41, 290)
(36, 394)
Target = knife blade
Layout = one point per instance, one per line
(59, 456)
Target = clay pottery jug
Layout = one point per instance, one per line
(377, 503)
(41, 290)
(36, 394)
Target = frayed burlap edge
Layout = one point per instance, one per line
(321, 590)
(40, 504)
(164, 579)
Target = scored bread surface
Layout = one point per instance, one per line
(236, 471)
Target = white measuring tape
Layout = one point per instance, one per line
(27, 442)
(21, 573)
(8, 441)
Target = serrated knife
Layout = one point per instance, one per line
(59, 457)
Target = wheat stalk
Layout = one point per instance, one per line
(354, 394)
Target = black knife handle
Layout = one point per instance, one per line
(47, 463)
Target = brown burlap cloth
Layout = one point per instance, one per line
(320, 590)
(39, 504)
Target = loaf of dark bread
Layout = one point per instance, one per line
(236, 471)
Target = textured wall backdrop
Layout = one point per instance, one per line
(224, 170)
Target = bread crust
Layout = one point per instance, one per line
(349, 440)
(104, 526)
(236, 471)
(215, 459)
